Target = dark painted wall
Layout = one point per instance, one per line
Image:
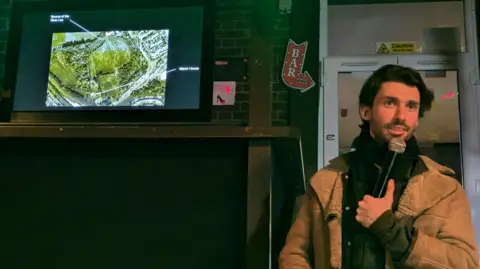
(117, 203)
(304, 106)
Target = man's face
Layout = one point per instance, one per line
(394, 112)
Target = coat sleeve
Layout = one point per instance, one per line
(454, 246)
(295, 253)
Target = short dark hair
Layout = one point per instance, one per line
(394, 73)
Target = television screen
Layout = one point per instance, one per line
(110, 60)
(110, 68)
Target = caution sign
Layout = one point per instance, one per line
(396, 47)
(383, 49)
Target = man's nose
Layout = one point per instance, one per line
(401, 112)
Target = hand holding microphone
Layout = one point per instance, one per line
(370, 208)
(373, 206)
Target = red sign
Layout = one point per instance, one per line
(292, 74)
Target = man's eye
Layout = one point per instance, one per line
(389, 103)
(412, 106)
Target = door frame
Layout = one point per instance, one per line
(469, 99)
(468, 76)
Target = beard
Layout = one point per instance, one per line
(380, 132)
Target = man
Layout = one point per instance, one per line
(423, 221)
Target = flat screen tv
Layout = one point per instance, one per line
(144, 62)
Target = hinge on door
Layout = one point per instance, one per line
(322, 76)
(473, 77)
(322, 80)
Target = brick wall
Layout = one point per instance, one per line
(4, 25)
(233, 30)
(279, 90)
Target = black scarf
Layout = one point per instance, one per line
(369, 157)
(364, 169)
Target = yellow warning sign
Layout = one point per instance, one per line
(396, 47)
(383, 49)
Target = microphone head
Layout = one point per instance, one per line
(397, 145)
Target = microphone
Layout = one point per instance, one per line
(396, 146)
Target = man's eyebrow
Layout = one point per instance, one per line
(396, 99)
(391, 98)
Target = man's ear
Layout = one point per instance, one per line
(365, 113)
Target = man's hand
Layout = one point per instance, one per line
(370, 209)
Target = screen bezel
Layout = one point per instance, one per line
(203, 114)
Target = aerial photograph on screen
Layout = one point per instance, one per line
(112, 68)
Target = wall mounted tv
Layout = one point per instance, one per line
(143, 62)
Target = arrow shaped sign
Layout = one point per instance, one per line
(292, 71)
